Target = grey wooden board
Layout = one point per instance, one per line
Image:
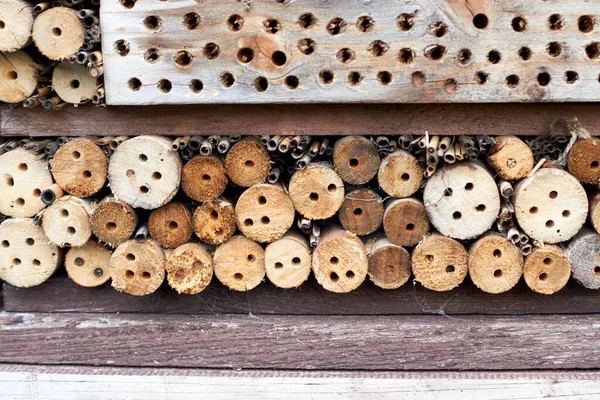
(62, 295)
(445, 79)
(66, 383)
(302, 342)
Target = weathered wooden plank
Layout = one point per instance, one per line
(302, 342)
(326, 119)
(226, 51)
(62, 295)
(56, 382)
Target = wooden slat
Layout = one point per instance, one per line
(326, 119)
(302, 342)
(71, 383)
(62, 295)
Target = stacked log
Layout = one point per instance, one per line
(139, 211)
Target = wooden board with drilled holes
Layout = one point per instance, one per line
(268, 51)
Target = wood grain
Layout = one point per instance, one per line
(44, 382)
(302, 342)
(62, 295)
(326, 119)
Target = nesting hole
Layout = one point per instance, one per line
(56, 32)
(439, 29)
(585, 23)
(20, 202)
(566, 213)
(278, 58)
(196, 85)
(98, 272)
(533, 210)
(79, 261)
(238, 277)
(12, 75)
(549, 223)
(497, 253)
(5, 244)
(235, 22)
(183, 59)
(152, 55)
(450, 269)
(417, 78)
(143, 157)
(227, 79)
(86, 174)
(548, 261)
(481, 77)
(355, 78)
(326, 76)
(571, 77)
(173, 225)
(350, 274)
(16, 261)
(480, 207)
(265, 220)
(405, 21)
(450, 86)
(543, 276)
(410, 227)
(594, 164)
(278, 265)
(554, 49)
(334, 277)
(519, 24)
(261, 84)
(248, 222)
(191, 20)
(448, 192)
(9, 180)
(245, 55)
(512, 81)
(144, 190)
(456, 215)
(249, 163)
(524, 53)
(23, 167)
(146, 275)
(553, 194)
(129, 274)
(494, 57)
(345, 55)
(480, 21)
(164, 85)
(555, 22)
(378, 48)
(111, 226)
(214, 215)
(331, 188)
(336, 26)
(211, 51)
(307, 46)
(130, 257)
(37, 192)
(291, 82)
(429, 258)
(262, 200)
(122, 47)
(272, 25)
(250, 258)
(464, 56)
(592, 50)
(365, 24)
(406, 56)
(384, 77)
(597, 271)
(64, 213)
(128, 3)
(152, 22)
(435, 52)
(498, 273)
(307, 21)
(358, 212)
(71, 230)
(313, 196)
(334, 260)
(353, 162)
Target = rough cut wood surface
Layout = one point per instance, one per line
(107, 383)
(61, 295)
(302, 342)
(227, 51)
(329, 119)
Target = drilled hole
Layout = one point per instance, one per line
(173, 225)
(350, 274)
(553, 194)
(456, 215)
(450, 86)
(429, 258)
(345, 55)
(480, 207)
(378, 48)
(278, 58)
(164, 85)
(86, 174)
(498, 273)
(146, 275)
(597, 271)
(307, 20)
(5, 244)
(292, 82)
(450, 269)
(566, 213)
(196, 85)
(191, 20)
(214, 214)
(9, 180)
(71, 230)
(278, 265)
(183, 59)
(406, 56)
(554, 49)
(235, 22)
(261, 84)
(245, 55)
(417, 78)
(543, 276)
(265, 220)
(512, 81)
(111, 226)
(410, 227)
(144, 189)
(122, 47)
(497, 253)
(272, 25)
(237, 276)
(248, 222)
(79, 261)
(129, 274)
(384, 77)
(481, 77)
(594, 164)
(549, 223)
(464, 56)
(307, 46)
(435, 52)
(250, 258)
(30, 241)
(519, 24)
(405, 21)
(358, 212)
(494, 57)
(334, 277)
(227, 79)
(405, 177)
(143, 157)
(571, 77)
(334, 260)
(152, 22)
(20, 202)
(326, 76)
(524, 53)
(16, 261)
(331, 188)
(355, 78)
(296, 260)
(336, 26)
(314, 196)
(585, 23)
(439, 29)
(555, 22)
(64, 213)
(211, 51)
(592, 50)
(365, 24)
(249, 163)
(56, 32)
(127, 3)
(548, 261)
(448, 192)
(480, 21)
(152, 55)
(23, 167)
(533, 210)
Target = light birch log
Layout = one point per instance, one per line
(171, 225)
(288, 261)
(439, 263)
(18, 79)
(355, 159)
(67, 222)
(248, 162)
(145, 172)
(88, 265)
(16, 21)
(189, 269)
(340, 261)
(584, 254)
(317, 191)
(583, 161)
(73, 83)
(137, 268)
(405, 221)
(27, 258)
(547, 269)
(389, 264)
(204, 178)
(361, 212)
(462, 200)
(594, 211)
(58, 33)
(240, 263)
(264, 213)
(113, 221)
(551, 205)
(24, 176)
(511, 158)
(80, 167)
(400, 174)
(214, 221)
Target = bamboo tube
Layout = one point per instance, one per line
(67, 222)
(439, 263)
(450, 154)
(240, 263)
(171, 225)
(204, 178)
(16, 20)
(462, 200)
(506, 189)
(551, 206)
(18, 79)
(89, 264)
(80, 167)
(594, 211)
(51, 194)
(264, 213)
(405, 221)
(340, 261)
(113, 221)
(145, 172)
(214, 221)
(495, 263)
(73, 83)
(389, 264)
(583, 161)
(247, 162)
(137, 268)
(445, 143)
(355, 159)
(316, 191)
(547, 270)
(432, 145)
(189, 269)
(23, 178)
(583, 253)
(58, 33)
(26, 257)
(400, 174)
(288, 261)
(511, 158)
(361, 212)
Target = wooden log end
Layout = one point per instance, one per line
(113, 222)
(340, 261)
(80, 167)
(240, 263)
(264, 213)
(22, 180)
(18, 79)
(58, 33)
(439, 263)
(584, 254)
(288, 261)
(594, 211)
(583, 161)
(400, 174)
(405, 221)
(248, 163)
(214, 221)
(317, 191)
(16, 21)
(137, 268)
(361, 212)
(74, 83)
(462, 200)
(67, 222)
(551, 206)
(389, 264)
(171, 225)
(547, 269)
(355, 159)
(88, 265)
(145, 172)
(26, 257)
(204, 178)
(511, 158)
(495, 264)
(189, 269)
